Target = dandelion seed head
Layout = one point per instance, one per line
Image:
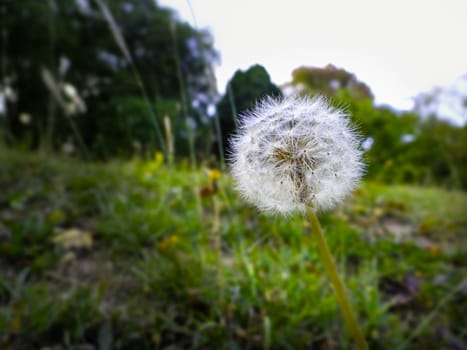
(293, 153)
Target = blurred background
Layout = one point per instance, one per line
(115, 119)
(100, 80)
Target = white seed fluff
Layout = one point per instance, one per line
(293, 153)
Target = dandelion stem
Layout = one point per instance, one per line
(336, 282)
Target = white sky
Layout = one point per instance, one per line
(398, 47)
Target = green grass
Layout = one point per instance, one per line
(156, 265)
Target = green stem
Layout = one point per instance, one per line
(336, 282)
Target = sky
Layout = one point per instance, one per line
(399, 47)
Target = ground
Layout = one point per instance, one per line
(140, 255)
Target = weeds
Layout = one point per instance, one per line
(155, 274)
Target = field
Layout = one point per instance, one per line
(142, 255)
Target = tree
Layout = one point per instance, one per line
(59, 52)
(385, 134)
(328, 81)
(243, 90)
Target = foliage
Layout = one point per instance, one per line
(400, 147)
(101, 79)
(328, 80)
(79, 76)
(403, 148)
(139, 255)
(243, 91)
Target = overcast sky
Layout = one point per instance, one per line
(398, 47)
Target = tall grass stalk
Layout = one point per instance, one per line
(220, 143)
(169, 139)
(232, 105)
(54, 90)
(120, 41)
(5, 133)
(49, 127)
(3, 44)
(183, 97)
(212, 83)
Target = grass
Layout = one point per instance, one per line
(137, 255)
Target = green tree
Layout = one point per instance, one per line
(440, 148)
(243, 90)
(385, 133)
(71, 42)
(328, 81)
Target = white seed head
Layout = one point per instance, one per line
(293, 153)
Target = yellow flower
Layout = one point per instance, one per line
(168, 242)
(214, 174)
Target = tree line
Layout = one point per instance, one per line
(101, 79)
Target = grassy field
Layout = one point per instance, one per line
(137, 255)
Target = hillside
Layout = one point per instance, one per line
(138, 255)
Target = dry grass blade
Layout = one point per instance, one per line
(53, 87)
(117, 34)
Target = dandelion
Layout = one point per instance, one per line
(294, 153)
(299, 154)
